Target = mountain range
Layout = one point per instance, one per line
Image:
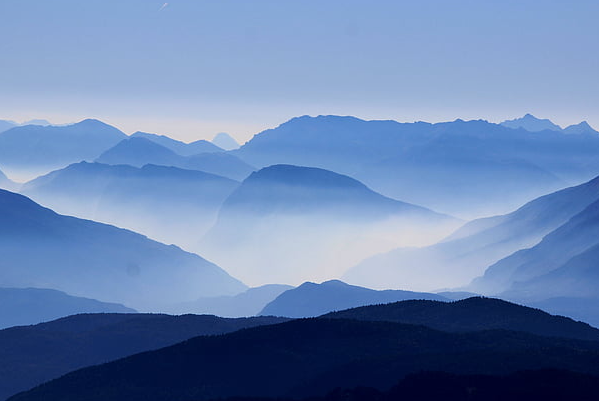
(533, 124)
(180, 148)
(311, 357)
(563, 264)
(466, 254)
(43, 249)
(138, 151)
(311, 299)
(35, 148)
(465, 168)
(288, 224)
(168, 204)
(32, 355)
(25, 306)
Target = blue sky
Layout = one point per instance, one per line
(193, 68)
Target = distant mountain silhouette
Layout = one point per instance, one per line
(35, 147)
(34, 354)
(37, 122)
(6, 125)
(310, 357)
(581, 128)
(472, 314)
(40, 248)
(139, 151)
(466, 254)
(563, 264)
(465, 168)
(25, 306)
(247, 303)
(166, 203)
(289, 224)
(310, 299)
(532, 124)
(181, 148)
(225, 141)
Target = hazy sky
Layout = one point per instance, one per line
(192, 68)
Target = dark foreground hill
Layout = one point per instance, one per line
(312, 357)
(21, 306)
(34, 354)
(545, 384)
(311, 299)
(473, 314)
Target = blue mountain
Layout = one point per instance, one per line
(465, 254)
(43, 249)
(36, 147)
(139, 151)
(225, 141)
(563, 264)
(248, 303)
(465, 168)
(289, 224)
(6, 125)
(179, 147)
(168, 204)
(26, 306)
(532, 124)
(311, 299)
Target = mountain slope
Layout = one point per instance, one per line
(315, 223)
(166, 203)
(24, 306)
(472, 314)
(471, 168)
(312, 357)
(43, 249)
(181, 148)
(466, 254)
(6, 125)
(568, 254)
(34, 354)
(310, 299)
(40, 148)
(6, 183)
(138, 152)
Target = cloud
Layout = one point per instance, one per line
(165, 5)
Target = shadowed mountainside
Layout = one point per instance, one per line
(312, 357)
(34, 354)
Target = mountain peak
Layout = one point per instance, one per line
(580, 128)
(531, 123)
(225, 141)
